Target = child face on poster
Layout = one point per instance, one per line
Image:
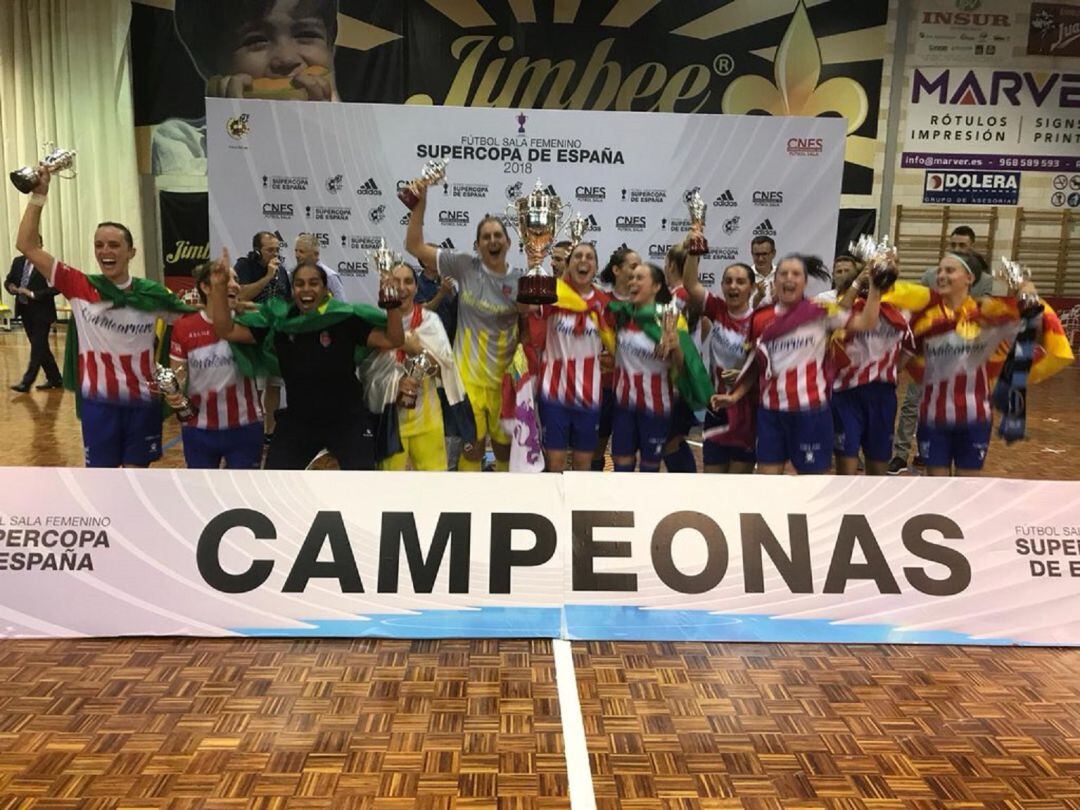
(271, 49)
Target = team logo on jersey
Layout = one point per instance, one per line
(324, 339)
(238, 126)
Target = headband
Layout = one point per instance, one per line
(960, 259)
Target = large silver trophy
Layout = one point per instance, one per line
(170, 382)
(539, 217)
(667, 316)
(417, 367)
(385, 260)
(56, 161)
(880, 257)
(697, 207)
(433, 173)
(1016, 276)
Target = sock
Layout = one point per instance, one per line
(502, 466)
(624, 467)
(649, 468)
(597, 465)
(682, 460)
(466, 465)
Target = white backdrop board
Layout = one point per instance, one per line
(334, 170)
(580, 555)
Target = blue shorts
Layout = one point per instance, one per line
(567, 427)
(682, 419)
(641, 432)
(713, 453)
(805, 438)
(962, 445)
(607, 412)
(240, 447)
(116, 433)
(863, 417)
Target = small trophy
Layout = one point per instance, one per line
(667, 315)
(698, 245)
(417, 367)
(1015, 277)
(539, 217)
(432, 174)
(56, 161)
(577, 228)
(386, 260)
(169, 382)
(880, 257)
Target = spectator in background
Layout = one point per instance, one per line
(306, 251)
(35, 305)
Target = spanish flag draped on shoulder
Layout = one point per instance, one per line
(692, 380)
(274, 316)
(570, 300)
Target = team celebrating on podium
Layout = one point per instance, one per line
(633, 356)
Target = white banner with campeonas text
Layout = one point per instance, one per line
(334, 170)
(580, 556)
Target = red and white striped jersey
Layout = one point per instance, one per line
(956, 378)
(873, 356)
(570, 372)
(680, 296)
(794, 378)
(223, 396)
(642, 379)
(116, 345)
(727, 345)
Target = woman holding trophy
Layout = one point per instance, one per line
(313, 343)
(790, 340)
(402, 386)
(226, 422)
(487, 331)
(569, 393)
(653, 348)
(728, 433)
(959, 344)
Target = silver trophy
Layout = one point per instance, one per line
(697, 208)
(667, 316)
(879, 256)
(433, 173)
(577, 228)
(170, 382)
(418, 367)
(1015, 276)
(538, 218)
(385, 260)
(56, 161)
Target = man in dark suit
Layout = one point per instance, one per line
(35, 304)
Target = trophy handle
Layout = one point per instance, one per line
(511, 215)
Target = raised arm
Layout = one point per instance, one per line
(390, 338)
(249, 291)
(414, 233)
(218, 304)
(28, 238)
(867, 318)
(695, 290)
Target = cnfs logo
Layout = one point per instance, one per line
(804, 147)
(238, 126)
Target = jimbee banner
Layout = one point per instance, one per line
(334, 170)
(589, 556)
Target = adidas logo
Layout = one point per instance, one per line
(591, 224)
(765, 229)
(446, 244)
(550, 191)
(369, 188)
(725, 200)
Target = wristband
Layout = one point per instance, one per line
(38, 200)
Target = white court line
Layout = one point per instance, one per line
(578, 772)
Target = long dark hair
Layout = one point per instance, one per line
(618, 256)
(656, 272)
(813, 265)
